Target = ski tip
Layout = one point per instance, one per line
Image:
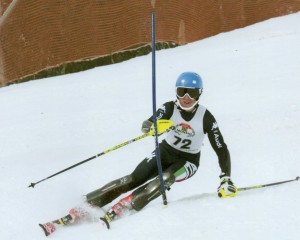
(44, 229)
(297, 178)
(48, 228)
(31, 185)
(104, 220)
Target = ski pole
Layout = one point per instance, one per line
(267, 185)
(163, 125)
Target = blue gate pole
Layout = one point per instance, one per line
(157, 151)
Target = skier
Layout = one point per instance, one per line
(180, 158)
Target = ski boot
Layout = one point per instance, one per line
(118, 210)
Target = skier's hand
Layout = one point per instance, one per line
(146, 126)
(227, 188)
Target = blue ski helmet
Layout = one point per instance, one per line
(189, 83)
(189, 80)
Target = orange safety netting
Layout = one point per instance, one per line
(38, 34)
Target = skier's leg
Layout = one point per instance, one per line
(177, 172)
(139, 198)
(146, 170)
(111, 191)
(145, 194)
(100, 197)
(148, 192)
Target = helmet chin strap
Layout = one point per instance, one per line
(187, 108)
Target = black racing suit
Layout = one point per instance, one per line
(172, 161)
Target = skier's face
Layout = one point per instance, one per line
(187, 102)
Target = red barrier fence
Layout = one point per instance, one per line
(42, 34)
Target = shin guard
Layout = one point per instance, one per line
(110, 191)
(145, 194)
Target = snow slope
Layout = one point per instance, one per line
(252, 84)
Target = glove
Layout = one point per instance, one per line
(146, 126)
(227, 188)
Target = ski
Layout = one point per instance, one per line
(106, 222)
(75, 215)
(48, 228)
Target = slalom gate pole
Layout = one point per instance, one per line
(267, 185)
(157, 151)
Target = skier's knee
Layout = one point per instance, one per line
(145, 194)
(169, 179)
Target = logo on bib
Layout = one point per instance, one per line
(184, 128)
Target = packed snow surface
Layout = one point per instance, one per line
(252, 86)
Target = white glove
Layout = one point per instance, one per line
(227, 188)
(146, 126)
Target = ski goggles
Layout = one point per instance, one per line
(192, 92)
